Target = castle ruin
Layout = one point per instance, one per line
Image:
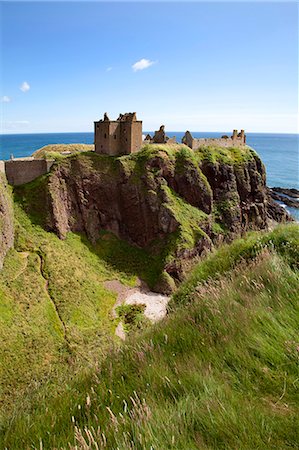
(118, 137)
(114, 137)
(160, 137)
(236, 140)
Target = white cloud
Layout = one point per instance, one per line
(108, 69)
(25, 86)
(5, 99)
(15, 125)
(142, 64)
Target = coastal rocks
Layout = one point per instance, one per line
(131, 200)
(289, 197)
(294, 193)
(6, 219)
(276, 213)
(170, 200)
(241, 199)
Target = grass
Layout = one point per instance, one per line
(55, 310)
(132, 317)
(220, 372)
(55, 151)
(229, 155)
(284, 240)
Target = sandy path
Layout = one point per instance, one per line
(155, 304)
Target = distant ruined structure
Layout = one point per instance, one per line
(114, 137)
(124, 136)
(236, 140)
(159, 137)
(118, 137)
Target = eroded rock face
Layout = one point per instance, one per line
(240, 194)
(6, 219)
(135, 210)
(173, 196)
(89, 194)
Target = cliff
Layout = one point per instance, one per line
(168, 199)
(6, 219)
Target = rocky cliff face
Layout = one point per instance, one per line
(6, 220)
(168, 199)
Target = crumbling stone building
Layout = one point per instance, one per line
(160, 137)
(118, 137)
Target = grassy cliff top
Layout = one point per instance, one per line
(55, 150)
(230, 155)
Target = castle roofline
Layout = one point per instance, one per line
(117, 121)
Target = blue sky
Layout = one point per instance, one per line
(200, 66)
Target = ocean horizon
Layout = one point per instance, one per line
(278, 151)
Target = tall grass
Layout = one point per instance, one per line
(220, 372)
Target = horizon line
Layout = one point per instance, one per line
(148, 131)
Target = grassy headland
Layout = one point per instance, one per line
(221, 371)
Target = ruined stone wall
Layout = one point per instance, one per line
(132, 135)
(221, 142)
(21, 171)
(101, 134)
(113, 139)
(108, 137)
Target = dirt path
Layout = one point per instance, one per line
(23, 255)
(155, 304)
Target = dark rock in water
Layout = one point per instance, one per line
(284, 198)
(277, 213)
(294, 193)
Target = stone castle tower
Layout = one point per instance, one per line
(118, 137)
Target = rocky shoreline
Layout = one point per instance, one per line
(290, 197)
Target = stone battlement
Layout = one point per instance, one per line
(236, 140)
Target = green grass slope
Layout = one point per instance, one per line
(221, 372)
(58, 151)
(55, 313)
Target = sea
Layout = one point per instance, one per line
(279, 152)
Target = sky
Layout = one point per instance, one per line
(202, 66)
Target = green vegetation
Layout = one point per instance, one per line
(132, 317)
(220, 372)
(34, 198)
(54, 310)
(283, 240)
(59, 151)
(189, 219)
(229, 155)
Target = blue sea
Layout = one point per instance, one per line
(279, 152)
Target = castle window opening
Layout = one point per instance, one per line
(115, 136)
(105, 135)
